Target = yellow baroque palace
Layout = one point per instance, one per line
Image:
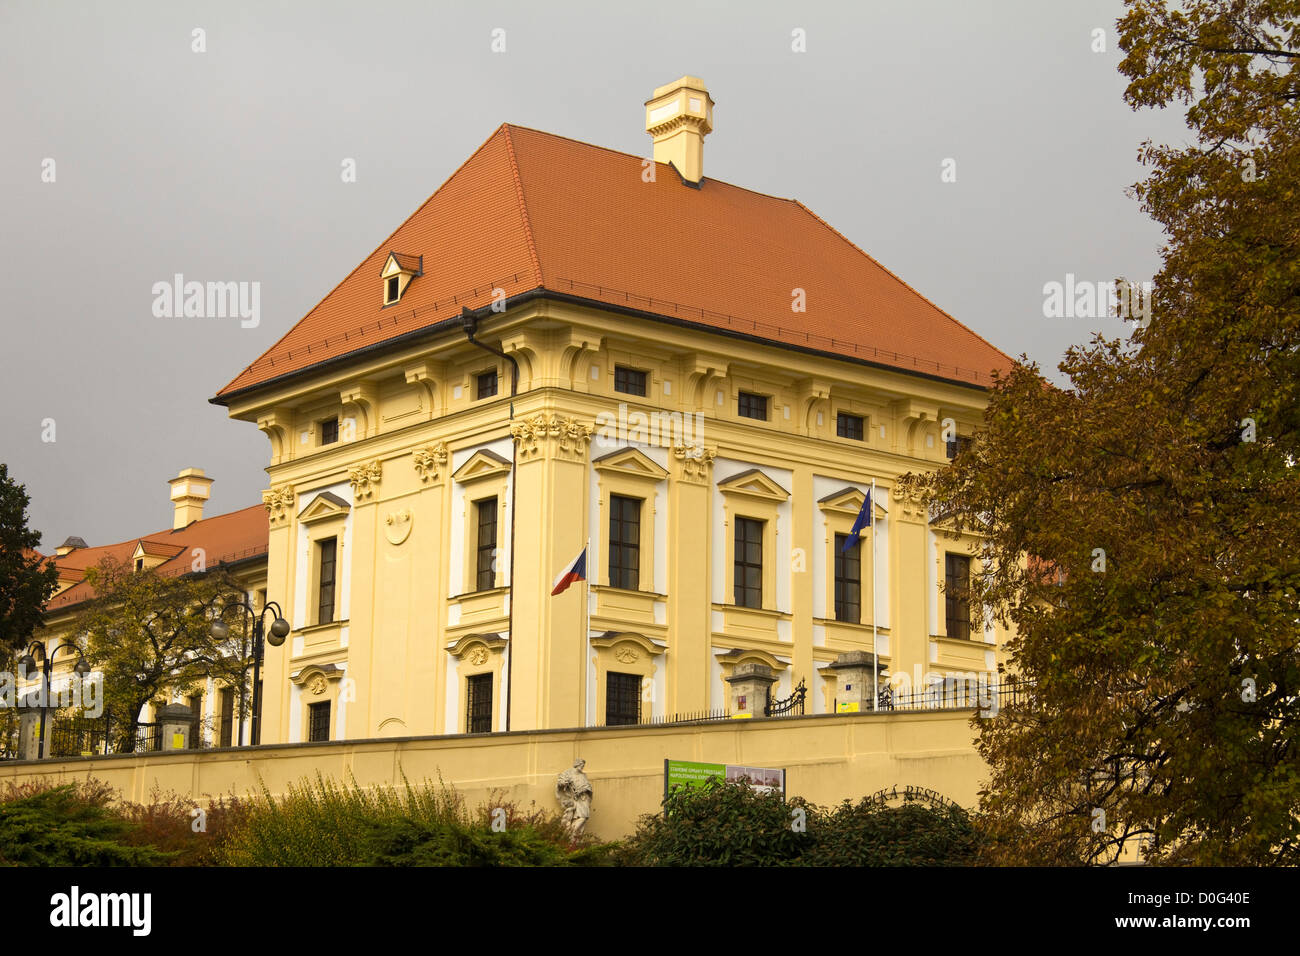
(572, 351)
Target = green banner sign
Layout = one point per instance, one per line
(685, 773)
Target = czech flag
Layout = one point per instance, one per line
(576, 570)
(863, 521)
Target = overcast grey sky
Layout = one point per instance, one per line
(225, 165)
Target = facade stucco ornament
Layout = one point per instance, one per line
(279, 505)
(565, 437)
(397, 525)
(430, 462)
(573, 791)
(912, 504)
(478, 656)
(627, 655)
(317, 685)
(696, 461)
(365, 479)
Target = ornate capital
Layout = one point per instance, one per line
(695, 462)
(912, 504)
(429, 462)
(554, 434)
(279, 505)
(365, 479)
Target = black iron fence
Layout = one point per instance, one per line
(788, 706)
(687, 717)
(959, 694)
(78, 736)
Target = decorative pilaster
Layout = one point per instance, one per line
(555, 436)
(912, 505)
(279, 503)
(430, 462)
(365, 480)
(696, 462)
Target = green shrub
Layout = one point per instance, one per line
(719, 824)
(871, 834)
(327, 824)
(410, 843)
(722, 824)
(69, 825)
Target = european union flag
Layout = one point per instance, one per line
(863, 521)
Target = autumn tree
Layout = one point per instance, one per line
(26, 579)
(150, 635)
(1141, 521)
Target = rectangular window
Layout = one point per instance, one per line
(958, 445)
(329, 431)
(849, 426)
(227, 716)
(485, 550)
(752, 406)
(487, 384)
(318, 721)
(478, 704)
(848, 580)
(622, 699)
(629, 380)
(326, 552)
(197, 736)
(391, 295)
(624, 542)
(749, 562)
(956, 586)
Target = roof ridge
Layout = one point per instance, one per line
(523, 205)
(619, 152)
(903, 282)
(382, 244)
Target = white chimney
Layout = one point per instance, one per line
(679, 116)
(190, 491)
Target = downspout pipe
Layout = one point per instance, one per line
(469, 321)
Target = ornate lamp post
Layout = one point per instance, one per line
(279, 630)
(36, 654)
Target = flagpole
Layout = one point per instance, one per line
(875, 663)
(586, 616)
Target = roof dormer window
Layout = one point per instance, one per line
(398, 272)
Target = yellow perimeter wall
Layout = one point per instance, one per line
(846, 756)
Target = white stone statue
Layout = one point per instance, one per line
(573, 790)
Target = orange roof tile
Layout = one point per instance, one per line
(532, 211)
(224, 538)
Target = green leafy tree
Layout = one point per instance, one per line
(1141, 521)
(26, 579)
(150, 633)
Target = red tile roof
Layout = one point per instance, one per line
(530, 210)
(224, 539)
